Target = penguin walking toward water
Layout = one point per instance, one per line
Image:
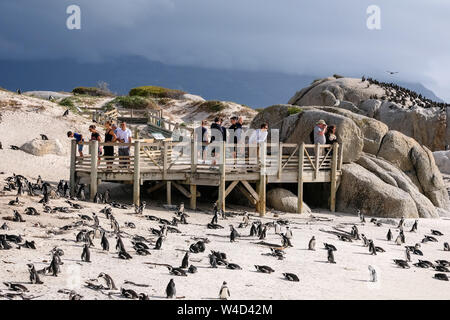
(224, 292)
(185, 262)
(86, 254)
(330, 257)
(389, 235)
(312, 244)
(373, 274)
(34, 276)
(171, 290)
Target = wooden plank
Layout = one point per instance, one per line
(193, 202)
(93, 150)
(222, 181)
(262, 181)
(317, 154)
(180, 188)
(280, 160)
(231, 187)
(137, 173)
(73, 156)
(300, 179)
(169, 192)
(333, 177)
(247, 194)
(156, 187)
(249, 188)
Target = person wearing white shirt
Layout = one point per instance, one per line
(259, 135)
(124, 136)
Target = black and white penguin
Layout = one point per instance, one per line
(446, 246)
(264, 269)
(119, 244)
(185, 262)
(312, 244)
(109, 281)
(263, 234)
(34, 277)
(104, 242)
(233, 234)
(171, 290)
(253, 231)
(213, 261)
(400, 223)
(373, 274)
(192, 269)
(408, 254)
(159, 243)
(436, 233)
(285, 241)
(414, 226)
(330, 256)
(389, 235)
(224, 292)
(86, 254)
(372, 249)
(291, 277)
(233, 266)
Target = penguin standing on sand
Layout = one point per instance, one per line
(414, 226)
(185, 262)
(159, 243)
(109, 281)
(312, 244)
(253, 230)
(224, 292)
(288, 233)
(373, 274)
(400, 223)
(408, 254)
(86, 254)
(104, 242)
(402, 236)
(277, 228)
(263, 233)
(330, 256)
(389, 235)
(372, 249)
(34, 276)
(446, 246)
(171, 290)
(233, 234)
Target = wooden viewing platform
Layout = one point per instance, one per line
(176, 164)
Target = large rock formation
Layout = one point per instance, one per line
(284, 200)
(384, 166)
(429, 126)
(442, 159)
(40, 147)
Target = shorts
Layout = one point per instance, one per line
(80, 148)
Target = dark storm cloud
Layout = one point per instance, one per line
(309, 37)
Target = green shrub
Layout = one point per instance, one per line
(135, 102)
(156, 92)
(212, 106)
(92, 91)
(294, 110)
(67, 102)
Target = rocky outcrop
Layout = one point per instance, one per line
(40, 147)
(442, 160)
(363, 190)
(428, 126)
(417, 162)
(284, 200)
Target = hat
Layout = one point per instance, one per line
(321, 122)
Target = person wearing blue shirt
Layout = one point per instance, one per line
(79, 138)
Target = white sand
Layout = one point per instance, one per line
(347, 279)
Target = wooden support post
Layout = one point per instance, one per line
(301, 154)
(334, 164)
(316, 165)
(341, 156)
(165, 160)
(193, 196)
(137, 173)
(73, 158)
(222, 163)
(262, 181)
(280, 159)
(169, 192)
(194, 155)
(93, 150)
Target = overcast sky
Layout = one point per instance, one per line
(314, 37)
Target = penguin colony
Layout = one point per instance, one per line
(406, 97)
(98, 233)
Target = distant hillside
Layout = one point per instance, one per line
(255, 89)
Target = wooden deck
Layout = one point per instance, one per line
(177, 164)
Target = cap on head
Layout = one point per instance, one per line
(321, 121)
